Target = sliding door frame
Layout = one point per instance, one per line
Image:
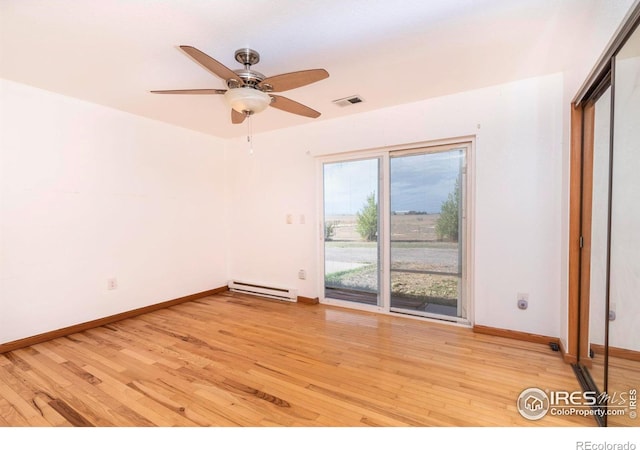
(381, 234)
(383, 154)
(463, 227)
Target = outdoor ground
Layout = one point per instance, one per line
(352, 263)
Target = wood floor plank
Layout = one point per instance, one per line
(10, 389)
(153, 414)
(85, 401)
(237, 360)
(9, 416)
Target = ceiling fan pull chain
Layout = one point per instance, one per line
(250, 131)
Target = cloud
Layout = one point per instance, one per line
(422, 182)
(419, 182)
(347, 185)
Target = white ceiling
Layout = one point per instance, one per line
(112, 52)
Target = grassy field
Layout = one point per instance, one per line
(404, 227)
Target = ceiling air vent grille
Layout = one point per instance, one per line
(348, 101)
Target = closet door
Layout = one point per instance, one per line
(624, 299)
(604, 250)
(594, 254)
(596, 236)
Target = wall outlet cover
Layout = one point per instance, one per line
(523, 304)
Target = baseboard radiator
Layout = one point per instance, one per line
(279, 293)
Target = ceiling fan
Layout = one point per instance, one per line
(250, 91)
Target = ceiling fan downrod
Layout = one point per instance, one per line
(247, 57)
(250, 78)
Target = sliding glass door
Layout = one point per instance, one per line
(395, 231)
(427, 232)
(351, 231)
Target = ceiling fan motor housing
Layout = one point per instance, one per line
(249, 77)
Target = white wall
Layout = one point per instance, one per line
(88, 193)
(96, 193)
(517, 202)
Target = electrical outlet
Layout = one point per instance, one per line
(112, 283)
(302, 274)
(523, 300)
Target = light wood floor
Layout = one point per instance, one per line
(235, 360)
(623, 378)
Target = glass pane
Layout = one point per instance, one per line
(426, 232)
(624, 333)
(351, 214)
(599, 237)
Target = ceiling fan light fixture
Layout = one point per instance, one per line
(247, 99)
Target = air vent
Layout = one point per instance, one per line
(347, 101)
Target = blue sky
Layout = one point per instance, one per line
(418, 182)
